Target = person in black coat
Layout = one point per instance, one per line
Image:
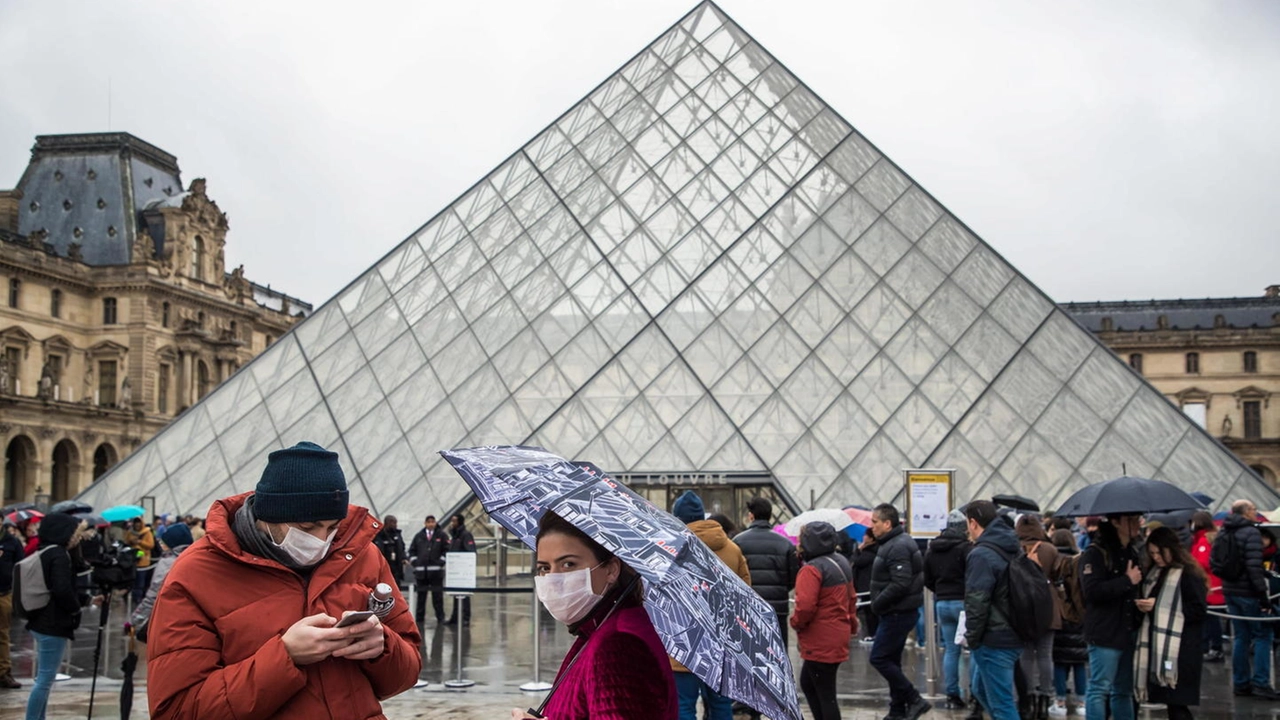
(1169, 558)
(897, 594)
(944, 564)
(53, 625)
(771, 558)
(460, 541)
(426, 554)
(10, 553)
(1247, 597)
(864, 558)
(390, 542)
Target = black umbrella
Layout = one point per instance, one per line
(128, 666)
(1017, 502)
(16, 507)
(71, 507)
(1127, 496)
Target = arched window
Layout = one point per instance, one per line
(65, 457)
(55, 303)
(109, 311)
(103, 458)
(197, 259)
(164, 315)
(19, 468)
(15, 290)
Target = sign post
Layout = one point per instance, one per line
(460, 577)
(929, 494)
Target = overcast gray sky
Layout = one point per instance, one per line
(1110, 150)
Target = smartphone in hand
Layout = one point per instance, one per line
(354, 618)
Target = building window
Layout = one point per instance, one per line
(13, 358)
(164, 315)
(108, 311)
(15, 289)
(1252, 419)
(200, 319)
(197, 259)
(107, 383)
(202, 379)
(1135, 361)
(162, 392)
(1250, 361)
(55, 376)
(1193, 363)
(55, 303)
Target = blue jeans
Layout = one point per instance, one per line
(994, 685)
(1060, 673)
(689, 688)
(948, 612)
(1249, 632)
(49, 650)
(1110, 681)
(886, 658)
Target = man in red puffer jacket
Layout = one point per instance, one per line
(825, 617)
(1204, 531)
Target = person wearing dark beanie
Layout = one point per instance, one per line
(246, 611)
(688, 508)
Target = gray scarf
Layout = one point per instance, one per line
(258, 542)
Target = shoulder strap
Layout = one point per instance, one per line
(839, 569)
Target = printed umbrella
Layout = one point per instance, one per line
(838, 519)
(123, 512)
(1127, 496)
(708, 619)
(21, 516)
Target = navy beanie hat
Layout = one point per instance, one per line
(176, 535)
(303, 483)
(688, 508)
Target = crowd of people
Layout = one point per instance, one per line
(1125, 616)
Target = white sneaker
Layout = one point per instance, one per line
(1058, 708)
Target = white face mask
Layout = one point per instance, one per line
(567, 596)
(304, 548)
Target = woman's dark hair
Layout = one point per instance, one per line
(1163, 538)
(553, 524)
(1202, 520)
(729, 528)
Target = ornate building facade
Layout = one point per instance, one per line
(119, 312)
(1217, 359)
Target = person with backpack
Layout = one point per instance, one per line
(944, 563)
(1173, 605)
(1037, 653)
(46, 592)
(897, 594)
(994, 646)
(1070, 653)
(1236, 558)
(1203, 531)
(826, 617)
(1110, 573)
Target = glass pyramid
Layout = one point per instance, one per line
(698, 267)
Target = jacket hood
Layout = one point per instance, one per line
(1001, 536)
(1232, 521)
(818, 539)
(949, 538)
(1030, 528)
(711, 533)
(57, 529)
(354, 532)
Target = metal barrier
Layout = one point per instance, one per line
(461, 595)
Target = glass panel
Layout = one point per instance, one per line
(992, 428)
(742, 390)
(971, 469)
(881, 388)
(793, 161)
(1105, 384)
(497, 326)
(845, 428)
(783, 283)
(914, 278)
(353, 399)
(915, 349)
(727, 222)
(494, 234)
(694, 254)
(338, 363)
(799, 107)
(736, 164)
(390, 476)
(687, 114)
(521, 358)
(319, 331)
(947, 243)
(556, 326)
(818, 247)
(603, 144)
(881, 246)
(1199, 462)
(403, 265)
(772, 85)
(1149, 423)
(295, 399)
(695, 67)
(457, 360)
(810, 389)
(982, 275)
(231, 400)
(949, 312)
(823, 187)
(665, 454)
(789, 219)
(846, 351)
(1036, 468)
(378, 330)
(442, 429)
(532, 202)
(953, 387)
(545, 392)
(748, 64)
(400, 359)
(917, 428)
(513, 175)
(1020, 309)
(478, 293)
(367, 438)
(772, 430)
(814, 316)
(807, 467)
(767, 136)
(673, 393)
(633, 432)
(612, 94)
(712, 353)
(824, 132)
(658, 140)
(684, 320)
(572, 261)
(547, 148)
(716, 90)
(1113, 457)
(848, 280)
(420, 295)
(316, 427)
(877, 471)
(986, 347)
(743, 111)
(1071, 427)
(644, 69)
(703, 194)
(580, 122)
(703, 430)
(205, 470)
(482, 393)
(882, 185)
(881, 314)
(1027, 386)
(914, 213)
(1061, 345)
(589, 199)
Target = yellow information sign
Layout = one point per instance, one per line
(928, 501)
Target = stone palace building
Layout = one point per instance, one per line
(119, 310)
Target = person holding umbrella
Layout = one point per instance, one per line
(1174, 606)
(617, 668)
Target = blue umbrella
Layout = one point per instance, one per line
(122, 512)
(708, 619)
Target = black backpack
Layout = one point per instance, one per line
(1226, 556)
(1031, 604)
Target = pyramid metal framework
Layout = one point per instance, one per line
(698, 267)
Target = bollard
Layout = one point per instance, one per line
(536, 685)
(459, 682)
(412, 598)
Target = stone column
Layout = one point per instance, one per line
(186, 387)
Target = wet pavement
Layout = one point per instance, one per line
(498, 657)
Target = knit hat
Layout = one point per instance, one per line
(956, 520)
(303, 483)
(688, 508)
(176, 536)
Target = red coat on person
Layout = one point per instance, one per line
(1200, 547)
(216, 648)
(826, 612)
